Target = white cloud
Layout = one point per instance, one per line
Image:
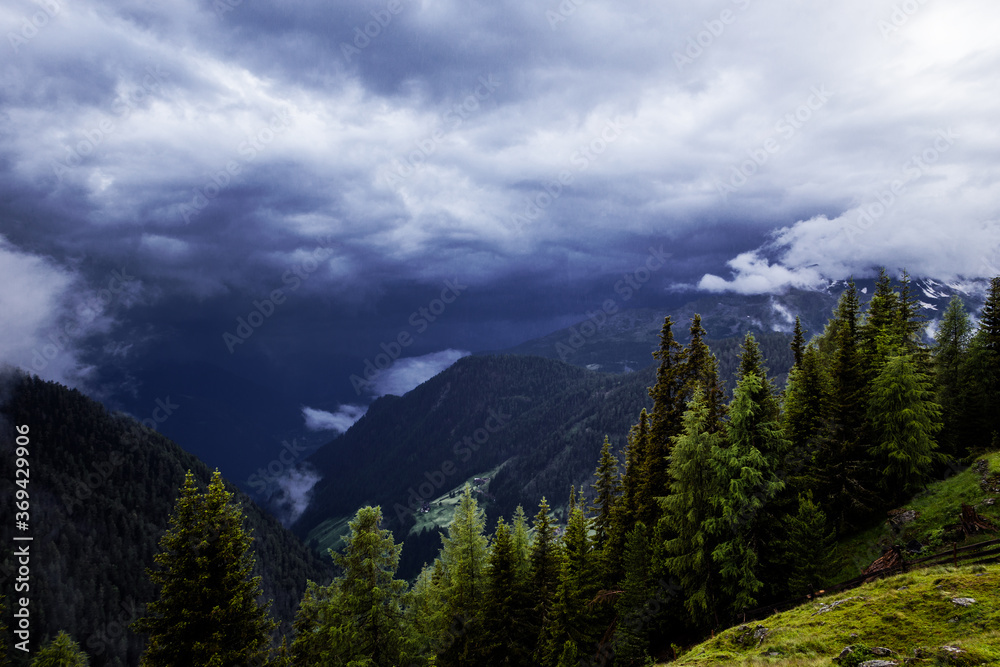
(294, 493)
(339, 421)
(405, 374)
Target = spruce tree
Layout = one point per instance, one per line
(631, 640)
(545, 561)
(637, 494)
(806, 413)
(207, 612)
(606, 491)
(62, 651)
(700, 369)
(506, 638)
(749, 465)
(950, 353)
(798, 344)
(308, 644)
(910, 323)
(880, 335)
(906, 419)
(669, 397)
(808, 547)
(689, 509)
(463, 554)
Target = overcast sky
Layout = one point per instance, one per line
(165, 168)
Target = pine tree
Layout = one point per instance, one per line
(880, 334)
(808, 547)
(906, 419)
(506, 637)
(631, 642)
(688, 510)
(910, 323)
(806, 413)
(426, 630)
(700, 368)
(798, 344)
(60, 652)
(669, 396)
(637, 494)
(545, 566)
(572, 620)
(606, 490)
(951, 351)
(308, 644)
(207, 612)
(463, 554)
(987, 364)
(752, 363)
(749, 465)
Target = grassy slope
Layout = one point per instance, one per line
(937, 507)
(902, 613)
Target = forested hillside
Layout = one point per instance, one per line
(101, 490)
(715, 507)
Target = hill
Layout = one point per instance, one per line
(938, 616)
(102, 488)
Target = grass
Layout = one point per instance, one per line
(911, 614)
(937, 507)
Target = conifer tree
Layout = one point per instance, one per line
(910, 323)
(700, 368)
(689, 509)
(521, 543)
(808, 547)
(545, 567)
(572, 620)
(308, 644)
(606, 491)
(798, 344)
(463, 554)
(906, 419)
(880, 335)
(985, 363)
(669, 397)
(807, 410)
(506, 638)
(631, 642)
(207, 612)
(749, 465)
(425, 630)
(752, 363)
(61, 651)
(637, 494)
(951, 351)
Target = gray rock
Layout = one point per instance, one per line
(963, 602)
(878, 663)
(882, 651)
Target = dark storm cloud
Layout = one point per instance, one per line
(368, 151)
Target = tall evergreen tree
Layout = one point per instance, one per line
(805, 417)
(545, 567)
(207, 612)
(798, 344)
(906, 419)
(631, 640)
(689, 509)
(669, 397)
(808, 546)
(506, 638)
(309, 644)
(910, 323)
(951, 351)
(749, 464)
(606, 491)
(62, 651)
(463, 554)
(701, 369)
(637, 493)
(572, 620)
(880, 335)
